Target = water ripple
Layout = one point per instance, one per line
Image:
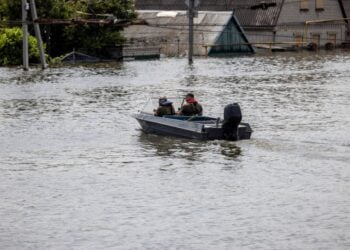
(77, 171)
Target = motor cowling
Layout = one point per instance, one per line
(232, 119)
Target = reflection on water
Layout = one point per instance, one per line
(230, 150)
(191, 150)
(77, 172)
(173, 147)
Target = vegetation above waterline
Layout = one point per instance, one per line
(93, 39)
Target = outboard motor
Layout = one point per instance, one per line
(232, 118)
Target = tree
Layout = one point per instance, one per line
(94, 39)
(3, 9)
(45, 8)
(11, 47)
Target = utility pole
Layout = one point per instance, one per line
(25, 8)
(38, 34)
(190, 30)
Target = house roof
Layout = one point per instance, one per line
(244, 9)
(213, 5)
(172, 26)
(249, 13)
(175, 23)
(345, 7)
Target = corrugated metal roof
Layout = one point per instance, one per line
(174, 26)
(257, 17)
(241, 8)
(167, 28)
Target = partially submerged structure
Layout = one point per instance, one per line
(313, 24)
(215, 33)
(283, 23)
(77, 57)
(345, 7)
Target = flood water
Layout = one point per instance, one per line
(76, 172)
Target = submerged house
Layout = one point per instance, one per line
(215, 33)
(283, 23)
(345, 6)
(289, 23)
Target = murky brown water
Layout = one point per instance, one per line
(77, 173)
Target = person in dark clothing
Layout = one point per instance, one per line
(165, 107)
(191, 107)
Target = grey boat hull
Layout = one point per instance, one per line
(201, 128)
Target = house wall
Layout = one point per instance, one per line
(328, 33)
(291, 11)
(258, 36)
(291, 22)
(171, 42)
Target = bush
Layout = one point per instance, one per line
(11, 47)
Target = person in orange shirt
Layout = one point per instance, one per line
(191, 107)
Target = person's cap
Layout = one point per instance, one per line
(162, 99)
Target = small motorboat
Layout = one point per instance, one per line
(198, 127)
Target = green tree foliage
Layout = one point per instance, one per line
(122, 9)
(93, 38)
(11, 47)
(46, 9)
(3, 9)
(97, 39)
